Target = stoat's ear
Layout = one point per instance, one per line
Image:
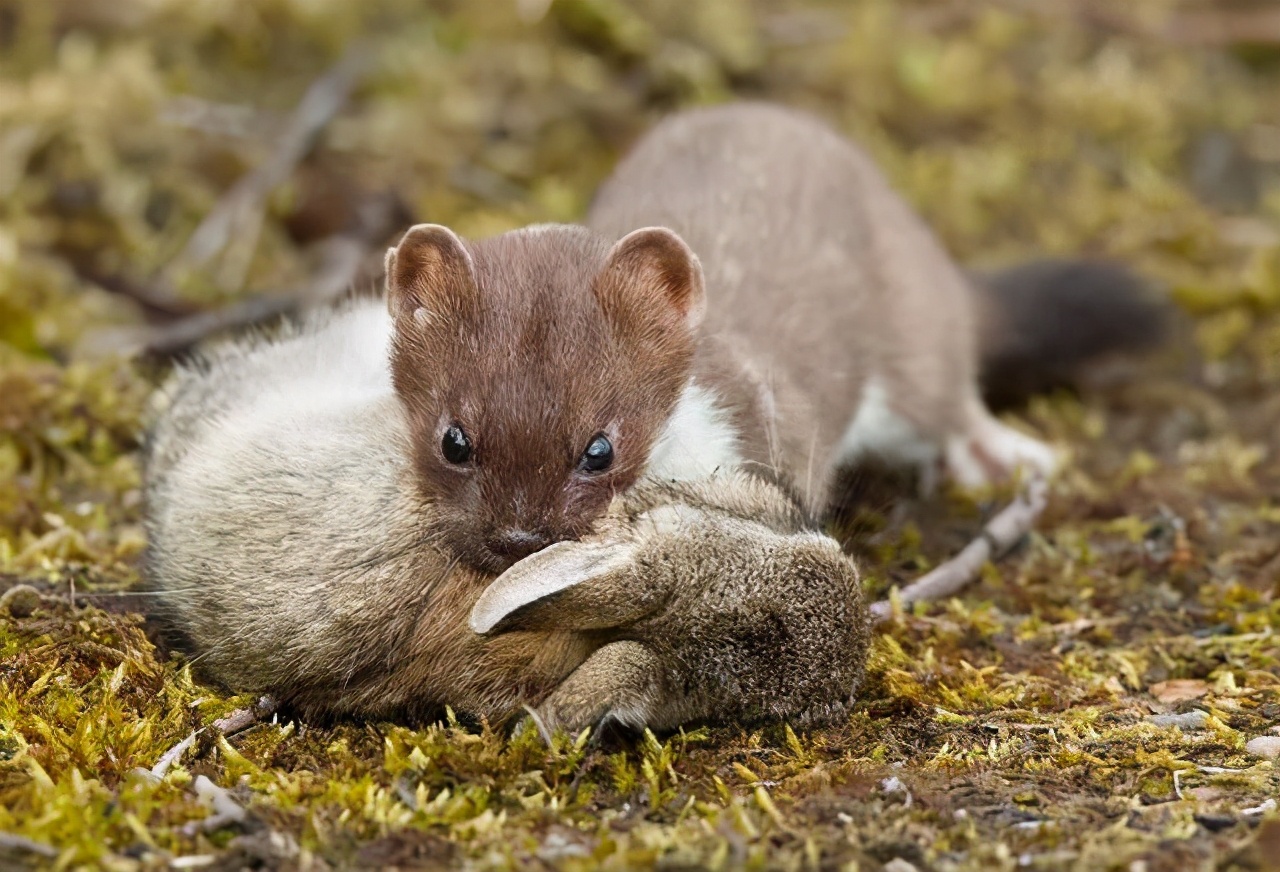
(653, 269)
(430, 269)
(566, 586)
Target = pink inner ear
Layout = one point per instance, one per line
(428, 269)
(656, 263)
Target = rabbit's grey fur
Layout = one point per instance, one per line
(712, 597)
(292, 555)
(289, 550)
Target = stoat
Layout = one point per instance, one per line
(748, 291)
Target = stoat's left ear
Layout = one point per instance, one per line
(430, 269)
(653, 268)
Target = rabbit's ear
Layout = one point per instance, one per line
(566, 586)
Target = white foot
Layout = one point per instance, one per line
(986, 453)
(992, 452)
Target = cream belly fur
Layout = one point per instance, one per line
(985, 451)
(698, 440)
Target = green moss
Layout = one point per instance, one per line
(1005, 730)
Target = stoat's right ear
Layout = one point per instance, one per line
(430, 270)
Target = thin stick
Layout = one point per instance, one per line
(242, 719)
(234, 224)
(237, 217)
(173, 755)
(999, 535)
(236, 722)
(12, 842)
(340, 267)
(157, 299)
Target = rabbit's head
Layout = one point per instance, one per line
(702, 611)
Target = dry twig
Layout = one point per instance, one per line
(242, 719)
(999, 535)
(340, 265)
(173, 755)
(236, 722)
(232, 227)
(15, 843)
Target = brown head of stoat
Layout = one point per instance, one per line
(537, 369)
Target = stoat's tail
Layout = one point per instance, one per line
(1041, 321)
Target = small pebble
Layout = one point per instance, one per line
(1204, 794)
(1264, 746)
(1192, 720)
(897, 864)
(20, 600)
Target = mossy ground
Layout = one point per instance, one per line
(1008, 729)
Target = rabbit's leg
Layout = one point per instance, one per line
(620, 682)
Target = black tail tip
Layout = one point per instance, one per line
(1048, 318)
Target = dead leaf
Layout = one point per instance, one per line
(1205, 794)
(1178, 690)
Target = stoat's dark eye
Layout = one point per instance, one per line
(455, 446)
(599, 455)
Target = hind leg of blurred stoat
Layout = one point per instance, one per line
(980, 452)
(989, 451)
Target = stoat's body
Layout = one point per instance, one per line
(833, 313)
(325, 508)
(749, 292)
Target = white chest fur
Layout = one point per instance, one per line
(877, 430)
(698, 440)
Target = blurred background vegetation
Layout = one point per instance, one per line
(311, 130)
(1017, 128)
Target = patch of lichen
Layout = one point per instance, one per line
(1010, 728)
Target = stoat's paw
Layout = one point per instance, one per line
(992, 452)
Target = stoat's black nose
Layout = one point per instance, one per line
(516, 544)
